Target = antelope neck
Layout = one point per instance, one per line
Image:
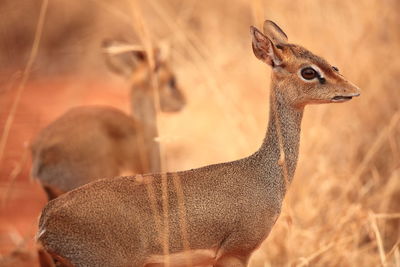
(283, 134)
(143, 110)
(142, 105)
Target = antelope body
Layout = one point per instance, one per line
(211, 216)
(92, 142)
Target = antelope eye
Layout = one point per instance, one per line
(309, 73)
(172, 83)
(335, 68)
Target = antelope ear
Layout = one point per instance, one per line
(161, 54)
(274, 32)
(264, 49)
(121, 57)
(163, 51)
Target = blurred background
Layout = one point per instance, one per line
(343, 208)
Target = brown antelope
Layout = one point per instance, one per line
(216, 215)
(92, 142)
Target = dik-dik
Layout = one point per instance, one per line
(212, 216)
(92, 142)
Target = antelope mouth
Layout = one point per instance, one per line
(343, 98)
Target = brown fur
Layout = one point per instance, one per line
(17, 258)
(85, 144)
(227, 209)
(88, 143)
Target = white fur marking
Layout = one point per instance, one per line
(126, 173)
(321, 73)
(40, 233)
(119, 49)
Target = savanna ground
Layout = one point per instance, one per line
(343, 208)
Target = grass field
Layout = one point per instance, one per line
(343, 208)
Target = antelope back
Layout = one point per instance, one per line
(85, 144)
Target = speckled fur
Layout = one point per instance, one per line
(230, 207)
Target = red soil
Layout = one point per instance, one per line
(42, 101)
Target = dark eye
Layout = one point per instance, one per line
(172, 82)
(335, 68)
(309, 73)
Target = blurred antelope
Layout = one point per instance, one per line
(18, 258)
(215, 215)
(88, 143)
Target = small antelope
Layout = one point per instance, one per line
(216, 215)
(92, 142)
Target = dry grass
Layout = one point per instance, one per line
(343, 206)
